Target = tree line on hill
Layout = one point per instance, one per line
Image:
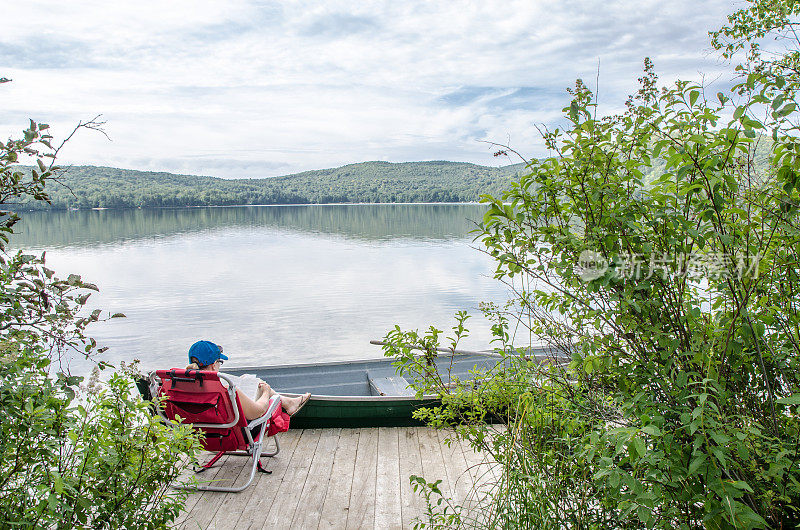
(378, 182)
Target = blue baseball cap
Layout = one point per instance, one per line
(206, 352)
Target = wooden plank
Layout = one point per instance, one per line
(391, 386)
(184, 478)
(432, 461)
(478, 462)
(474, 485)
(244, 465)
(410, 464)
(309, 510)
(337, 498)
(186, 519)
(282, 510)
(344, 478)
(362, 495)
(223, 512)
(246, 509)
(485, 475)
(455, 466)
(206, 509)
(388, 513)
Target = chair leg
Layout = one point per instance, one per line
(200, 468)
(255, 455)
(277, 448)
(227, 489)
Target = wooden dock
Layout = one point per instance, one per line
(339, 478)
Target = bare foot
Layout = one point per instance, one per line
(292, 405)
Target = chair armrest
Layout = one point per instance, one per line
(274, 403)
(154, 382)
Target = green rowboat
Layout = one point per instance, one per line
(366, 393)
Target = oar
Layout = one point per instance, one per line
(544, 356)
(443, 350)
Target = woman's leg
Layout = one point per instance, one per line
(253, 409)
(289, 404)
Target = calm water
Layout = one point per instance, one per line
(273, 285)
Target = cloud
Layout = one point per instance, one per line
(338, 25)
(247, 88)
(47, 52)
(208, 165)
(501, 98)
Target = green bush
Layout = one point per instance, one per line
(652, 253)
(69, 457)
(102, 461)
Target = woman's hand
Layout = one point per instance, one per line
(264, 392)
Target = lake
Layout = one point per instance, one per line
(271, 284)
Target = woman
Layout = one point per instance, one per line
(205, 355)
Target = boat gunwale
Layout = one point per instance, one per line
(365, 399)
(352, 398)
(354, 361)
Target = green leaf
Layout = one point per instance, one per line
(751, 123)
(652, 430)
(786, 110)
(794, 399)
(696, 463)
(640, 446)
(573, 111)
(58, 484)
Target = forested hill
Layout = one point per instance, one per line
(104, 187)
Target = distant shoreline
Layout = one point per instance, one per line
(89, 187)
(465, 203)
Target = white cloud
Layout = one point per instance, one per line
(256, 89)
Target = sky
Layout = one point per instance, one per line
(241, 88)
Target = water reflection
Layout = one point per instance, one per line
(367, 221)
(273, 285)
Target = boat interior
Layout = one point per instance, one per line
(361, 378)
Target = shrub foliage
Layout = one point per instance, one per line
(70, 456)
(674, 296)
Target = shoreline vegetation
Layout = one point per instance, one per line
(366, 183)
(452, 203)
(95, 187)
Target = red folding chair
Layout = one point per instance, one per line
(199, 398)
